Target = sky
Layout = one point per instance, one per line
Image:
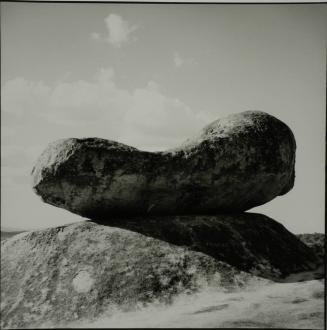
(152, 75)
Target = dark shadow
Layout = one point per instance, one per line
(246, 241)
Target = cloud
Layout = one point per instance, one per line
(19, 94)
(180, 61)
(35, 113)
(119, 31)
(68, 104)
(155, 121)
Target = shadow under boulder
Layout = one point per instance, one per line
(249, 241)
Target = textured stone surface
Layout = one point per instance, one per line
(79, 271)
(234, 164)
(251, 242)
(76, 272)
(316, 242)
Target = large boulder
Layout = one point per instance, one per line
(234, 164)
(80, 271)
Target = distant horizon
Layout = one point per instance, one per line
(153, 75)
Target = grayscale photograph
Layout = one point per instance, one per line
(163, 165)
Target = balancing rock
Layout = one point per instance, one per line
(233, 164)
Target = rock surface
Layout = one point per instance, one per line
(251, 242)
(57, 275)
(235, 163)
(316, 242)
(79, 271)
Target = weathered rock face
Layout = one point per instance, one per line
(234, 164)
(316, 242)
(53, 276)
(251, 242)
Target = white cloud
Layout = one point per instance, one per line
(73, 103)
(156, 121)
(180, 61)
(35, 113)
(19, 94)
(119, 31)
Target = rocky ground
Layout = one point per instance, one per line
(298, 305)
(91, 275)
